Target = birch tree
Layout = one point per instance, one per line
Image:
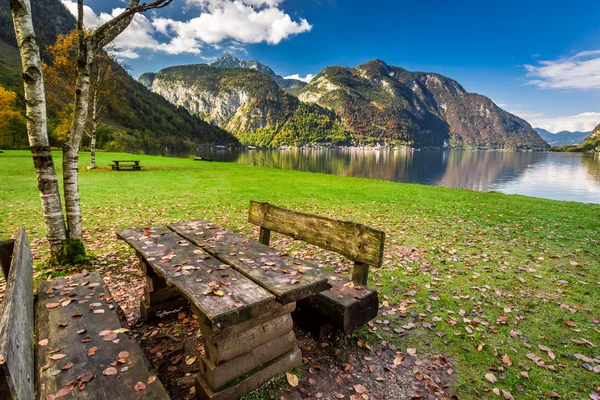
(37, 132)
(89, 46)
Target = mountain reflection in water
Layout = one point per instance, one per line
(560, 176)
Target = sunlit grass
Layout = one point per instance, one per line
(487, 254)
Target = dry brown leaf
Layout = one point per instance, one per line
(110, 371)
(140, 386)
(292, 379)
(491, 377)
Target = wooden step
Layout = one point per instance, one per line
(80, 338)
(253, 381)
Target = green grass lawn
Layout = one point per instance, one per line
(490, 274)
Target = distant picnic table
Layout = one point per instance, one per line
(244, 292)
(120, 165)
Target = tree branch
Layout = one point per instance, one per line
(108, 31)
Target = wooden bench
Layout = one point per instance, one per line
(81, 350)
(123, 165)
(348, 304)
(244, 308)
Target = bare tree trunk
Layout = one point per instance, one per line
(71, 148)
(93, 128)
(35, 101)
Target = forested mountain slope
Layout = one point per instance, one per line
(142, 121)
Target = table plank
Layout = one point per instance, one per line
(287, 278)
(190, 270)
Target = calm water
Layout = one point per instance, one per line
(559, 176)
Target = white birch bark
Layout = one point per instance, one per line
(93, 128)
(35, 101)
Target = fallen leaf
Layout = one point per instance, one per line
(50, 306)
(110, 371)
(139, 386)
(57, 356)
(360, 389)
(43, 342)
(190, 360)
(64, 391)
(123, 354)
(67, 365)
(292, 379)
(91, 351)
(491, 377)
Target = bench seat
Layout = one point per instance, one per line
(80, 344)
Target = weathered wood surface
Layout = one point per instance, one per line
(354, 241)
(252, 382)
(191, 271)
(17, 374)
(244, 342)
(287, 278)
(218, 375)
(276, 310)
(360, 273)
(6, 250)
(346, 305)
(64, 337)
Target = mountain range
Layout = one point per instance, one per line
(562, 138)
(371, 104)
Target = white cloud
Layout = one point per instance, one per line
(306, 79)
(584, 122)
(581, 71)
(249, 21)
(240, 21)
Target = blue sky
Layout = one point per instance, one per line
(538, 59)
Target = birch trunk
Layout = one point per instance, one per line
(93, 128)
(71, 146)
(35, 101)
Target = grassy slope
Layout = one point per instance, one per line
(483, 255)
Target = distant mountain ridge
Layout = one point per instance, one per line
(289, 85)
(380, 103)
(247, 103)
(372, 104)
(562, 138)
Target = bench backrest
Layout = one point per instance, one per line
(16, 324)
(360, 243)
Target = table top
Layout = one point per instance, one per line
(224, 292)
(118, 161)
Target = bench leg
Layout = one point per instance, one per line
(159, 300)
(265, 236)
(360, 274)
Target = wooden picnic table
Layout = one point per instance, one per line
(244, 291)
(120, 165)
(243, 304)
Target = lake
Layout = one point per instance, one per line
(558, 176)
